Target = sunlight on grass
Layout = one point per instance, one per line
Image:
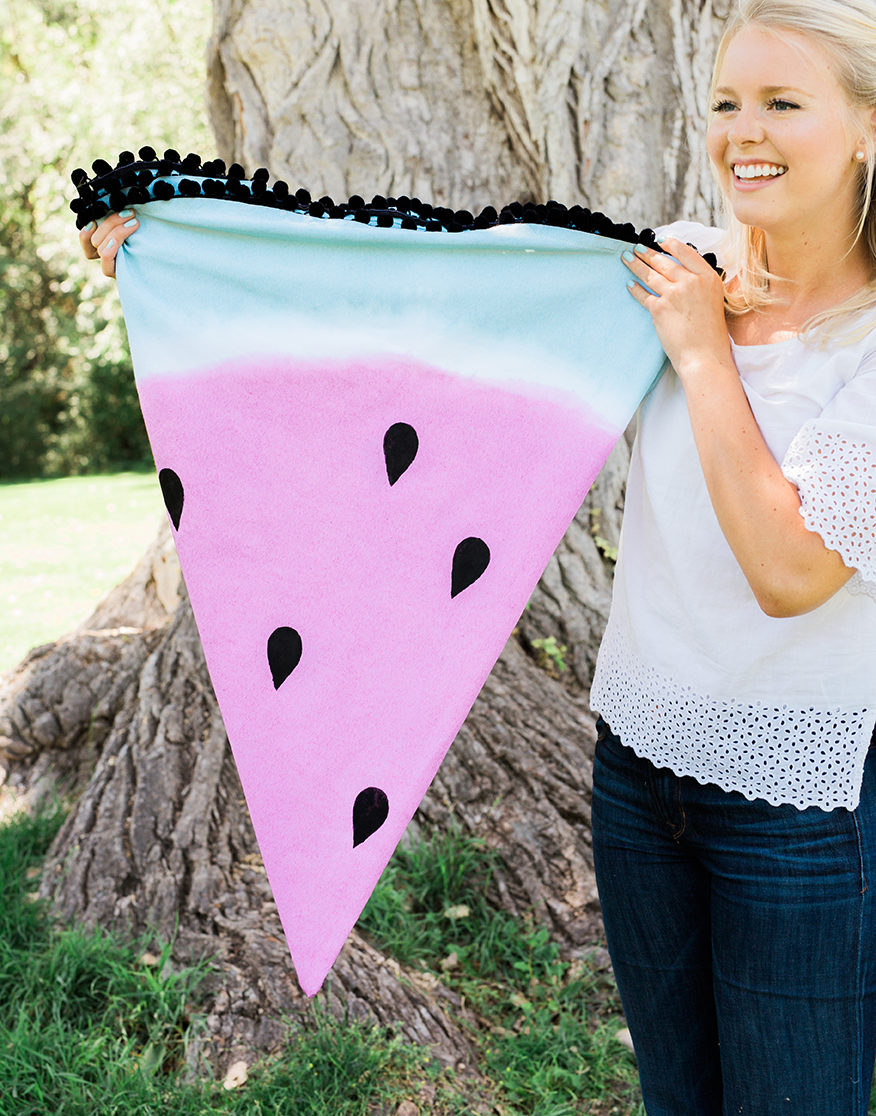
(63, 545)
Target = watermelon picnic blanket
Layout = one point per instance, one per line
(372, 424)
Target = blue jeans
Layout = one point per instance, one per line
(743, 940)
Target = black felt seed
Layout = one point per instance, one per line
(400, 445)
(172, 491)
(284, 654)
(370, 811)
(470, 559)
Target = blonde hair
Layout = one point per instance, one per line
(846, 30)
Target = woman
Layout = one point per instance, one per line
(734, 803)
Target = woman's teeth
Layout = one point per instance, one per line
(758, 170)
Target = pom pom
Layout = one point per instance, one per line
(212, 188)
(385, 221)
(261, 175)
(171, 155)
(463, 217)
(236, 171)
(280, 190)
(79, 177)
(139, 195)
(147, 154)
(192, 163)
(410, 223)
(162, 190)
(362, 215)
(126, 158)
(189, 189)
(326, 202)
(303, 197)
(215, 168)
(355, 202)
(378, 202)
(117, 200)
(101, 167)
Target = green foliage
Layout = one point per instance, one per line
(551, 653)
(77, 85)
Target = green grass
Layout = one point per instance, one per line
(545, 1031)
(63, 545)
(90, 1025)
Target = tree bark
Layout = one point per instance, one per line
(465, 102)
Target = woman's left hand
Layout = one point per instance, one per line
(687, 306)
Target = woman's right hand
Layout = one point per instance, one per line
(102, 242)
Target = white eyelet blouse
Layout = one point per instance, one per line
(691, 673)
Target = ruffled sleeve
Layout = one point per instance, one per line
(832, 461)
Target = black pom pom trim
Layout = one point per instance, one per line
(133, 182)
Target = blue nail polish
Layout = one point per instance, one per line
(628, 256)
(130, 224)
(641, 249)
(126, 213)
(110, 244)
(661, 239)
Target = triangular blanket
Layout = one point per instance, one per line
(372, 424)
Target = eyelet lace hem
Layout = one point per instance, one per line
(785, 755)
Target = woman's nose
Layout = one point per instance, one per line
(745, 127)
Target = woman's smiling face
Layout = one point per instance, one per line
(782, 135)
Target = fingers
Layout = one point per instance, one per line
(660, 271)
(102, 242)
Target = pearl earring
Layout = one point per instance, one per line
(860, 156)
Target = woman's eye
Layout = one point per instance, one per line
(781, 104)
(723, 106)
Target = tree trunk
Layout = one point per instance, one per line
(466, 102)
